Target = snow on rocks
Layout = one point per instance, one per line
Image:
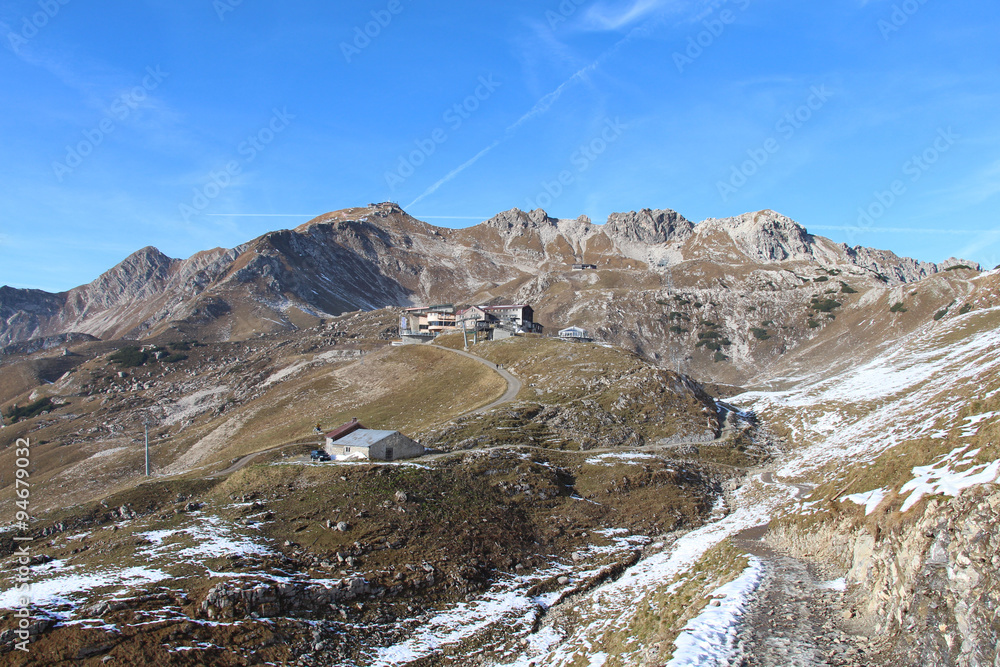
(943, 477)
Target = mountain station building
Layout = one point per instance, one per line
(353, 441)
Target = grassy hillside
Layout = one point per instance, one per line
(581, 396)
(222, 401)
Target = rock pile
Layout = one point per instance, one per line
(230, 600)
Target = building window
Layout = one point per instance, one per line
(347, 449)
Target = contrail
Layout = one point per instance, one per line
(541, 106)
(901, 230)
(454, 172)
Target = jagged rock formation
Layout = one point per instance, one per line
(934, 585)
(374, 257)
(649, 227)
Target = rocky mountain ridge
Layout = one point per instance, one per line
(379, 256)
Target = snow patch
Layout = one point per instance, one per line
(943, 477)
(834, 585)
(710, 637)
(870, 499)
(66, 589)
(612, 459)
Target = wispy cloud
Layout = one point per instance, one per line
(982, 185)
(605, 16)
(988, 239)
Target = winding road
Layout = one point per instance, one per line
(513, 387)
(513, 384)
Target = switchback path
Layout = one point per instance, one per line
(245, 460)
(801, 490)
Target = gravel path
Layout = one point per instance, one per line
(796, 619)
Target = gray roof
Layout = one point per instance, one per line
(363, 437)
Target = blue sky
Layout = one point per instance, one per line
(191, 124)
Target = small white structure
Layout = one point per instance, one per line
(575, 333)
(373, 445)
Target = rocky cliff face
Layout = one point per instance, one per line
(933, 586)
(649, 227)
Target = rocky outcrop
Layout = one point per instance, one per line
(766, 236)
(648, 227)
(889, 265)
(233, 600)
(934, 586)
(516, 219)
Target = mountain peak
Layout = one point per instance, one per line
(516, 218)
(650, 227)
(764, 236)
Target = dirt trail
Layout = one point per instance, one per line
(796, 617)
(513, 384)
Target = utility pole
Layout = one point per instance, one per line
(145, 424)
